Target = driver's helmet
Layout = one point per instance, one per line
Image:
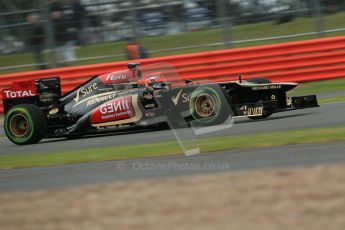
(152, 82)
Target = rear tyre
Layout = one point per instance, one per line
(209, 106)
(25, 124)
(259, 81)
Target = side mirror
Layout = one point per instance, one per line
(132, 65)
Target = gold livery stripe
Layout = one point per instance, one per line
(95, 96)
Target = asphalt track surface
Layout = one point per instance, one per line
(328, 115)
(165, 167)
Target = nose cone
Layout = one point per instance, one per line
(289, 85)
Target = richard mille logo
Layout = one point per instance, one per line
(176, 98)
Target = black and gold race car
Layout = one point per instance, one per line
(137, 97)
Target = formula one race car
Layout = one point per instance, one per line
(138, 97)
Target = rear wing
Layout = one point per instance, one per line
(41, 92)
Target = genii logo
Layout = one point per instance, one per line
(118, 109)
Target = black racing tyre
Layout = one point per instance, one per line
(209, 106)
(25, 124)
(259, 80)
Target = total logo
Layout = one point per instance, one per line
(18, 94)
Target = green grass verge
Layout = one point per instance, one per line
(240, 32)
(170, 148)
(319, 87)
(331, 100)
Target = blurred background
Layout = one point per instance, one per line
(40, 34)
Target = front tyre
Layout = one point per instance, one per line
(25, 124)
(209, 106)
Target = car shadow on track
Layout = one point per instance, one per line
(129, 132)
(162, 128)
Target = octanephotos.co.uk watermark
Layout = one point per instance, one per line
(172, 165)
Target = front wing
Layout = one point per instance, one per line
(259, 109)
